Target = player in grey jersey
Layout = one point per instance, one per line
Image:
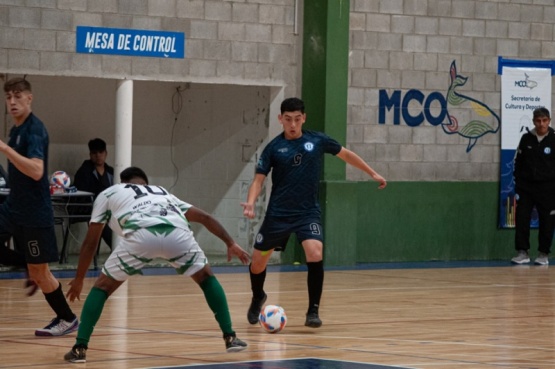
(152, 224)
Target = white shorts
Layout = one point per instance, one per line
(179, 248)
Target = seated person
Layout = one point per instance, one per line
(95, 176)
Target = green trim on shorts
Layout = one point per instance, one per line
(180, 256)
(161, 229)
(192, 261)
(129, 270)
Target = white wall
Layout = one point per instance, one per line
(231, 47)
(214, 138)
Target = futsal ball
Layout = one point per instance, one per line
(60, 178)
(272, 318)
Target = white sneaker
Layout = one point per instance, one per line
(58, 327)
(542, 259)
(521, 258)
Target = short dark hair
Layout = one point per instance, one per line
(292, 104)
(97, 144)
(541, 112)
(17, 84)
(132, 172)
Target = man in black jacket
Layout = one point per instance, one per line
(534, 173)
(95, 176)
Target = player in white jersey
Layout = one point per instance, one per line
(152, 224)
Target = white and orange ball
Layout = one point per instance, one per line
(272, 318)
(60, 178)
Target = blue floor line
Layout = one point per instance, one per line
(303, 363)
(70, 273)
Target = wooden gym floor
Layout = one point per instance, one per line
(467, 316)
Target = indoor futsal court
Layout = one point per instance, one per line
(426, 316)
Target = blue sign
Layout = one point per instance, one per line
(130, 42)
(401, 107)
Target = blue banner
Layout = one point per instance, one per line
(130, 42)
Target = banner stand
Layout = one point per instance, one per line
(525, 86)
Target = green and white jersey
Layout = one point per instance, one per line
(128, 207)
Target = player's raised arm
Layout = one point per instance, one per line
(31, 167)
(197, 215)
(356, 161)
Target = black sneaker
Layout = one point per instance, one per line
(313, 320)
(234, 344)
(78, 354)
(254, 309)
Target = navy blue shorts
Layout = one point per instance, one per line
(38, 244)
(274, 232)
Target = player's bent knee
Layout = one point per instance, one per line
(107, 284)
(202, 274)
(257, 268)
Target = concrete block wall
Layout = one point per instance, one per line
(403, 45)
(229, 45)
(395, 45)
(226, 41)
(203, 152)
